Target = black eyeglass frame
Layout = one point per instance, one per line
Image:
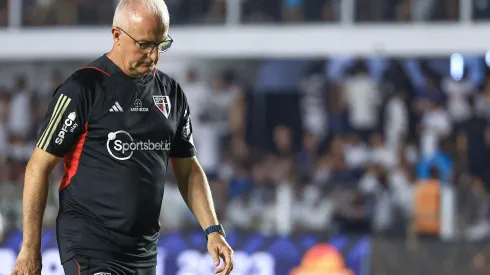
(143, 45)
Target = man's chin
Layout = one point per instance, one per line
(146, 68)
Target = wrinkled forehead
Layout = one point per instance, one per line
(147, 27)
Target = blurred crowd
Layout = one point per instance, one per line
(93, 12)
(341, 145)
(335, 146)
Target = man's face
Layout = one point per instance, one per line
(146, 29)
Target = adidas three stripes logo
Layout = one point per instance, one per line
(116, 108)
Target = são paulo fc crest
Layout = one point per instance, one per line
(163, 104)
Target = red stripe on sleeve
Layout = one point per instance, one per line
(72, 160)
(78, 265)
(95, 68)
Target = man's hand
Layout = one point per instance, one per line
(28, 262)
(219, 248)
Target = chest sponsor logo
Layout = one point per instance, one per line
(121, 145)
(68, 126)
(102, 273)
(138, 107)
(163, 104)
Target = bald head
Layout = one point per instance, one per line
(139, 30)
(133, 11)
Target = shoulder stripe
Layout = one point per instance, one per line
(58, 119)
(53, 115)
(95, 68)
(59, 110)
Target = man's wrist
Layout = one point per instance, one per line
(214, 234)
(31, 241)
(31, 246)
(215, 230)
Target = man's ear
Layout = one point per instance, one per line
(116, 34)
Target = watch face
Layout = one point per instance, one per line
(222, 230)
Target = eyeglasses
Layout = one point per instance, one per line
(149, 47)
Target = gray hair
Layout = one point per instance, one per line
(157, 7)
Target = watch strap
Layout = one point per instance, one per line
(214, 228)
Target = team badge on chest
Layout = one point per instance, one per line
(163, 104)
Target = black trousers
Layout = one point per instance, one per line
(86, 266)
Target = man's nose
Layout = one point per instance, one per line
(154, 55)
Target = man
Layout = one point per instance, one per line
(116, 123)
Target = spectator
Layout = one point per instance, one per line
(312, 211)
(457, 92)
(379, 201)
(20, 106)
(381, 154)
(338, 118)
(313, 109)
(401, 184)
(396, 122)
(357, 153)
(440, 160)
(473, 140)
(363, 97)
(307, 157)
(435, 126)
(213, 121)
(283, 141)
(427, 210)
(475, 210)
(197, 91)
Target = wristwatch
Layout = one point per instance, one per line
(215, 228)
